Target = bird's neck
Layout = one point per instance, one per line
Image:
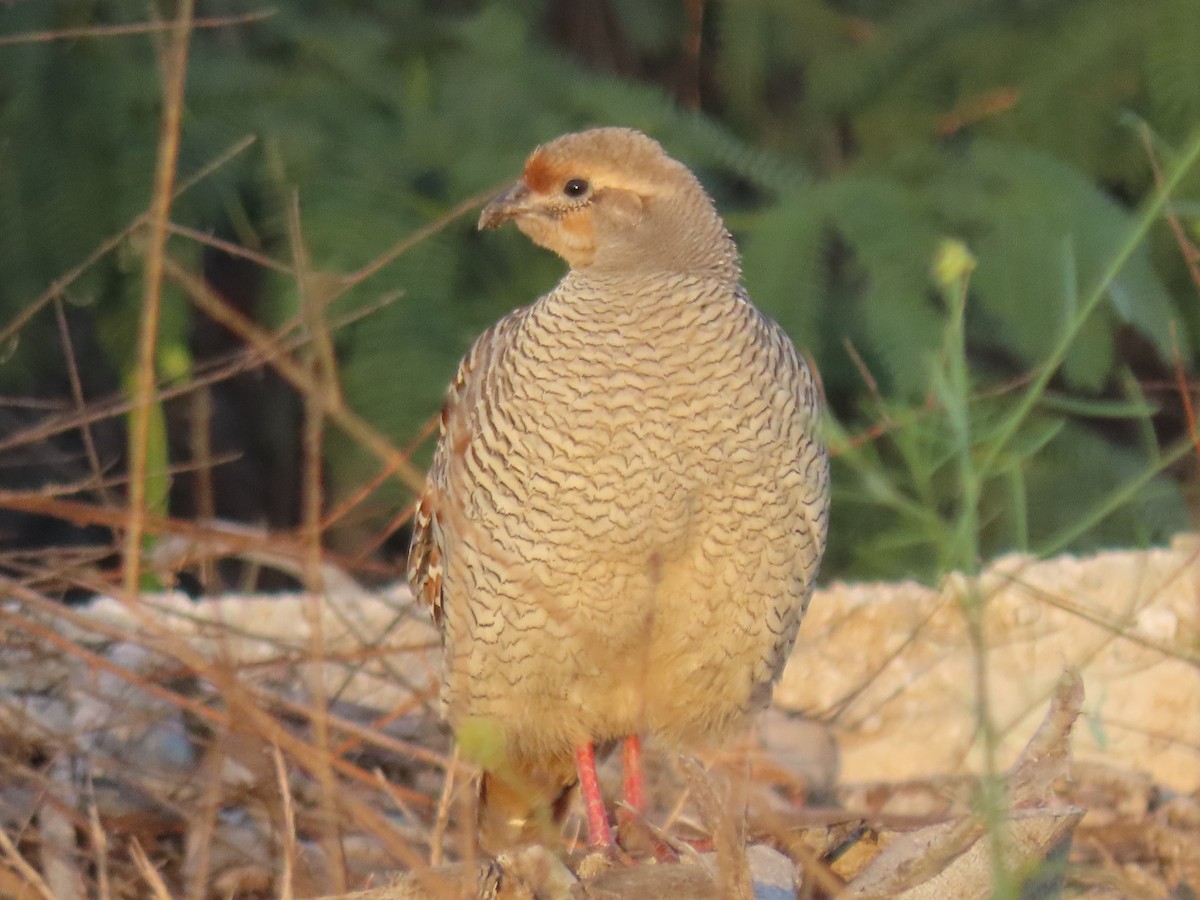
(669, 242)
(653, 300)
(713, 263)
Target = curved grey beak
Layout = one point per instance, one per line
(512, 202)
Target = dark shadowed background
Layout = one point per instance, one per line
(848, 144)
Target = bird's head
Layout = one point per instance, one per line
(612, 198)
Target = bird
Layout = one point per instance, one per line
(628, 502)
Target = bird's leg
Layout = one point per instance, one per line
(599, 834)
(631, 766)
(637, 837)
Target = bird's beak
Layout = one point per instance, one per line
(508, 205)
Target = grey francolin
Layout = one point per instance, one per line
(627, 507)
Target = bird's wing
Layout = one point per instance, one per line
(424, 558)
(425, 554)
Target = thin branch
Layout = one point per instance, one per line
(101, 31)
(321, 366)
(374, 441)
(23, 868)
(1185, 392)
(408, 242)
(146, 868)
(1151, 210)
(60, 284)
(1188, 250)
(230, 248)
(211, 372)
(442, 817)
(287, 876)
(175, 78)
(85, 432)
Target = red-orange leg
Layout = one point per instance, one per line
(599, 833)
(634, 780)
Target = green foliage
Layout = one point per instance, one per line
(1038, 228)
(970, 475)
(844, 140)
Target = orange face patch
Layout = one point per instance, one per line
(579, 233)
(542, 175)
(579, 225)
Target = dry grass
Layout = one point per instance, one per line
(178, 743)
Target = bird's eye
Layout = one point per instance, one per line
(576, 187)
